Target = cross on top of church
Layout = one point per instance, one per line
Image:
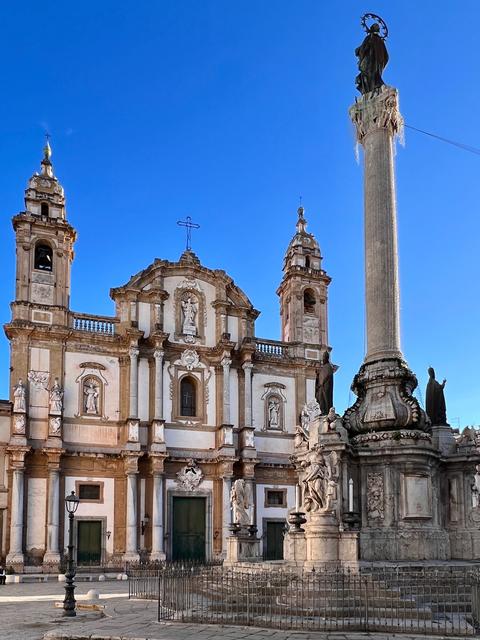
(189, 225)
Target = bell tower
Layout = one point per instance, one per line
(304, 290)
(44, 250)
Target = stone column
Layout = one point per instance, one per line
(158, 355)
(226, 362)
(133, 353)
(248, 367)
(17, 462)
(157, 552)
(52, 553)
(384, 384)
(131, 546)
(227, 510)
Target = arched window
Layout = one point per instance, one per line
(44, 209)
(307, 262)
(309, 301)
(43, 257)
(188, 397)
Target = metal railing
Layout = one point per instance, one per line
(93, 324)
(390, 599)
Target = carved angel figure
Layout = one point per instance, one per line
(189, 311)
(240, 501)
(320, 480)
(56, 398)
(19, 394)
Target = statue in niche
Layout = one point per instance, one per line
(320, 480)
(189, 311)
(324, 384)
(239, 499)
(274, 413)
(91, 394)
(56, 398)
(435, 400)
(476, 488)
(372, 55)
(19, 397)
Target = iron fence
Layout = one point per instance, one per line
(389, 599)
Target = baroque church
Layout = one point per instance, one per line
(151, 414)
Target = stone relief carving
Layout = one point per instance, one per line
(320, 480)
(240, 501)
(19, 424)
(132, 430)
(56, 398)
(190, 476)
(375, 496)
(39, 379)
(54, 426)
(190, 359)
(19, 397)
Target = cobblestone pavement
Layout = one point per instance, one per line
(27, 612)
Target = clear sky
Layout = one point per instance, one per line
(228, 111)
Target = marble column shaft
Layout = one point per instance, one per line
(53, 526)
(16, 519)
(133, 382)
(158, 355)
(157, 518)
(227, 510)
(226, 362)
(247, 367)
(131, 542)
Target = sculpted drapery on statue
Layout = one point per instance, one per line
(19, 397)
(189, 310)
(324, 384)
(240, 501)
(56, 398)
(372, 55)
(435, 400)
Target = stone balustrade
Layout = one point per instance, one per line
(93, 324)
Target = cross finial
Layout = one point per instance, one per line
(47, 150)
(189, 225)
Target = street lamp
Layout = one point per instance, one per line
(71, 504)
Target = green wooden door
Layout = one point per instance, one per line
(188, 530)
(274, 541)
(89, 536)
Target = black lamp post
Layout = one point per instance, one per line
(71, 504)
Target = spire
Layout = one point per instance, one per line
(301, 222)
(47, 169)
(303, 245)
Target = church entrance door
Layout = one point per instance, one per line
(188, 531)
(274, 540)
(89, 545)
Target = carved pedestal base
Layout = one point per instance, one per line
(158, 556)
(131, 556)
(242, 548)
(51, 562)
(16, 561)
(295, 547)
(385, 401)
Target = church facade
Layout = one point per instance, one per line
(151, 414)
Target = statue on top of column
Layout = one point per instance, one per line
(372, 55)
(435, 400)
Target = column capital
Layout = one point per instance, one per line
(130, 461)
(133, 352)
(377, 110)
(157, 463)
(225, 469)
(226, 361)
(17, 456)
(53, 458)
(247, 366)
(158, 354)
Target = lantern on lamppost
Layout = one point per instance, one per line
(71, 504)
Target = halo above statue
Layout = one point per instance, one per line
(374, 19)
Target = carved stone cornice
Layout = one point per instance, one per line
(377, 110)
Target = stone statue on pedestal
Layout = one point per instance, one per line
(372, 55)
(320, 480)
(240, 502)
(19, 395)
(435, 400)
(324, 384)
(56, 398)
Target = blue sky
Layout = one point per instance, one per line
(228, 112)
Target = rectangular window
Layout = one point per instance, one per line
(275, 497)
(89, 492)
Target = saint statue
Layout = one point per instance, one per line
(240, 502)
(19, 397)
(476, 488)
(372, 59)
(435, 400)
(274, 414)
(56, 398)
(189, 310)
(324, 384)
(91, 394)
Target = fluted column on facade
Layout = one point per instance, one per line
(131, 517)
(226, 362)
(17, 462)
(52, 553)
(133, 405)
